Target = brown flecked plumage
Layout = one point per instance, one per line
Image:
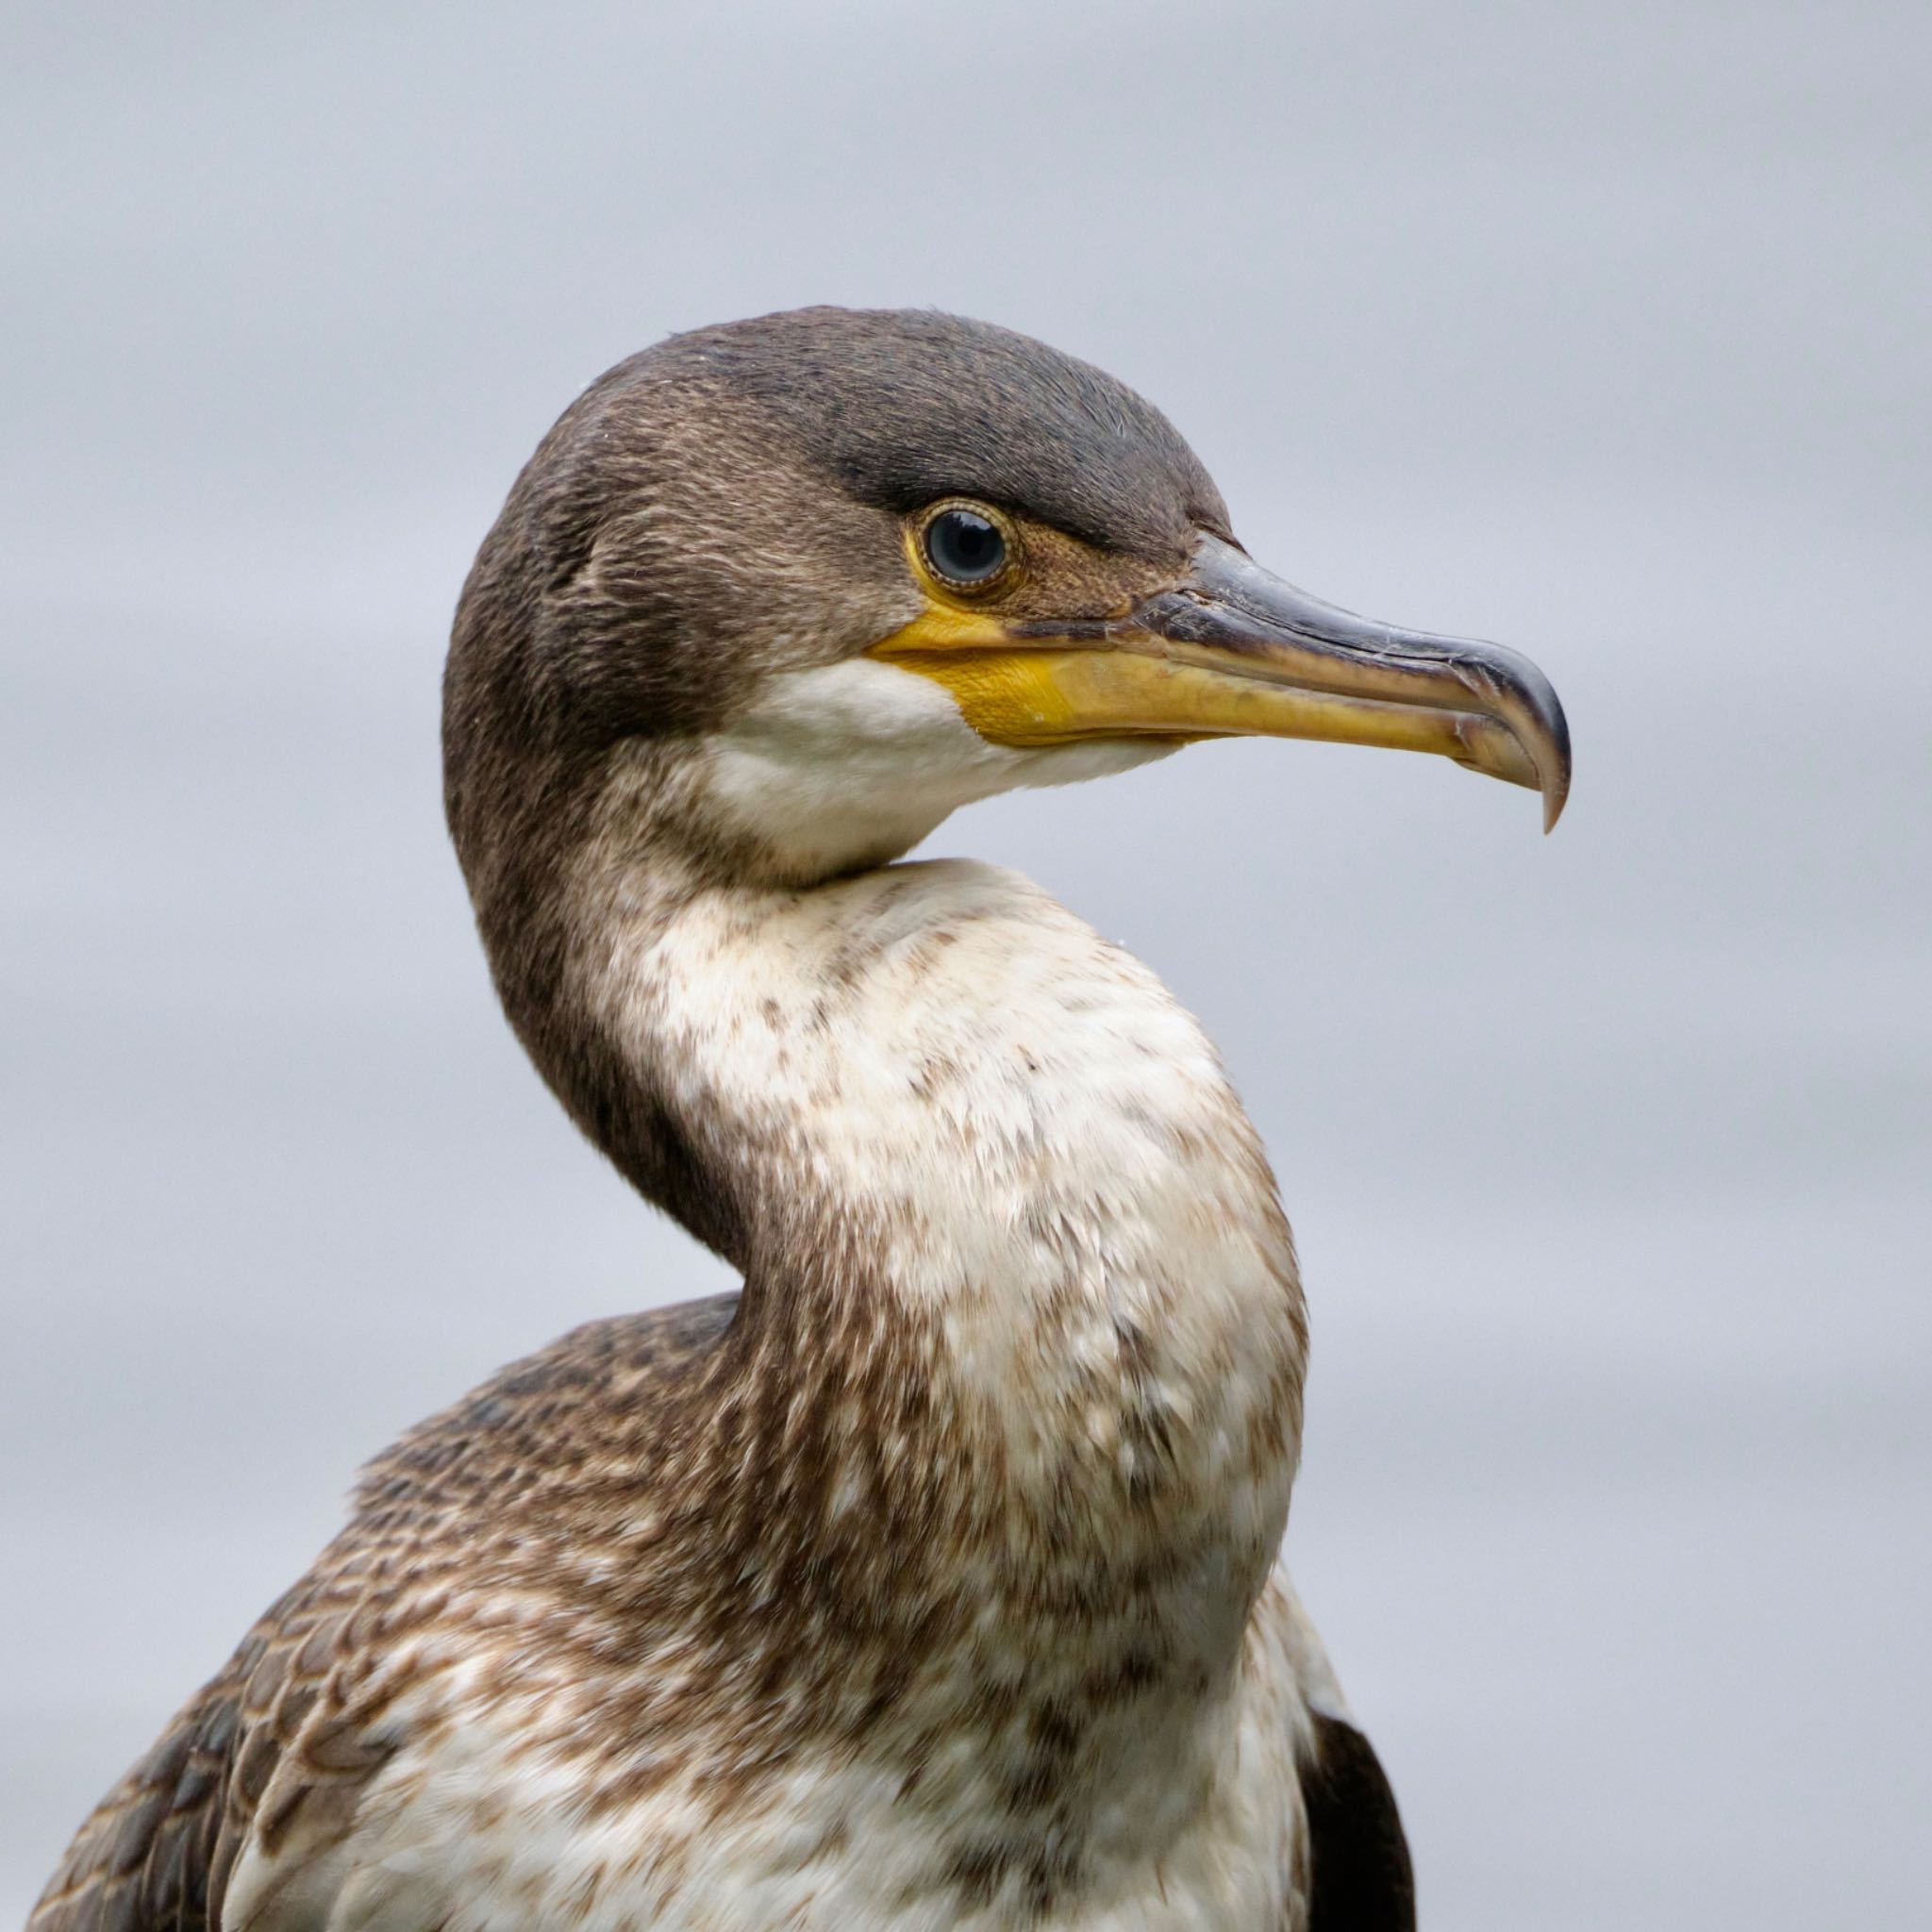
(932, 1579)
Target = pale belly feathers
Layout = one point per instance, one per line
(484, 1831)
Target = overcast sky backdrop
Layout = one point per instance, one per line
(1602, 329)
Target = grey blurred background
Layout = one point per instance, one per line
(1599, 328)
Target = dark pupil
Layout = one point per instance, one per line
(965, 547)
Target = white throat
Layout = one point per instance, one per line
(850, 764)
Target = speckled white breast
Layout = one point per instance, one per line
(1016, 1117)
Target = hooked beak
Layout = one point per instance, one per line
(1232, 651)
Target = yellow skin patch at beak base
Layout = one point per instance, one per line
(1008, 697)
(1007, 694)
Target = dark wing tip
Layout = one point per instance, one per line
(1360, 1878)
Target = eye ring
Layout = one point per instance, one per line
(969, 547)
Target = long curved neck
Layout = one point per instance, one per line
(989, 1188)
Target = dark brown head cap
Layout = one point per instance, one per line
(899, 407)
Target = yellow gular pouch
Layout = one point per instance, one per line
(1038, 694)
(1006, 694)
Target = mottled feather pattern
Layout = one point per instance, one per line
(293, 1726)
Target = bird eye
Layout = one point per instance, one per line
(965, 547)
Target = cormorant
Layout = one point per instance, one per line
(932, 1580)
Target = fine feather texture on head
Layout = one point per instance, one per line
(899, 407)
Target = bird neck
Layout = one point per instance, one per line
(1011, 1251)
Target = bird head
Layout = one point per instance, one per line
(801, 586)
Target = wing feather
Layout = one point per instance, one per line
(273, 1755)
(1360, 1879)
